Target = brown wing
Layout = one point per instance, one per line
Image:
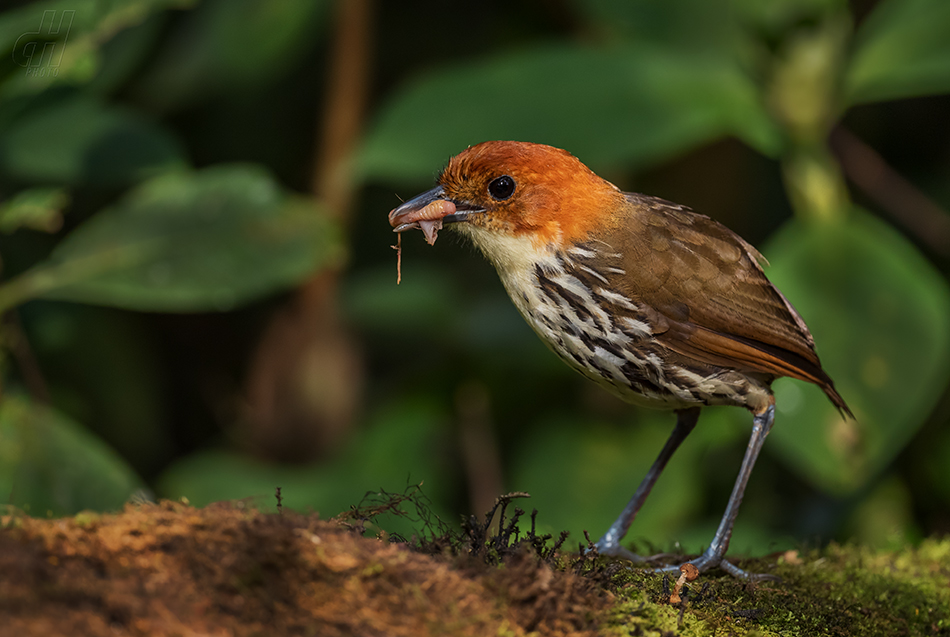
(708, 284)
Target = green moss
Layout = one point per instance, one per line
(86, 519)
(841, 590)
(11, 517)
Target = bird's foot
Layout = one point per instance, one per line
(710, 560)
(705, 562)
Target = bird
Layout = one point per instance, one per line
(660, 305)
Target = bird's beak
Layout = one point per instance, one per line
(430, 206)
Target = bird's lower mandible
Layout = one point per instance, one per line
(660, 305)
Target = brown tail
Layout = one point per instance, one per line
(828, 386)
(730, 350)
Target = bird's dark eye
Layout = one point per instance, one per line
(502, 187)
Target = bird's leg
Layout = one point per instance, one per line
(713, 556)
(609, 544)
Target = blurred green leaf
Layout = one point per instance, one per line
(48, 463)
(695, 25)
(429, 312)
(609, 106)
(402, 445)
(122, 58)
(936, 465)
(425, 301)
(227, 45)
(885, 517)
(45, 43)
(35, 208)
(187, 242)
(901, 50)
(880, 315)
(774, 18)
(102, 367)
(580, 476)
(81, 140)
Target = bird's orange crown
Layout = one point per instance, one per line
(556, 199)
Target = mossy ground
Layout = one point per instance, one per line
(836, 591)
(170, 569)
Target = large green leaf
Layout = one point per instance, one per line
(186, 242)
(51, 465)
(607, 105)
(880, 315)
(81, 140)
(901, 50)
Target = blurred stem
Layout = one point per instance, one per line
(45, 278)
(815, 184)
(803, 97)
(346, 104)
(480, 455)
(28, 285)
(30, 370)
(306, 377)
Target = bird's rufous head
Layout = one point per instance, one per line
(518, 189)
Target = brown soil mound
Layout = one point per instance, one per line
(170, 569)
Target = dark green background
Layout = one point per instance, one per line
(158, 210)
